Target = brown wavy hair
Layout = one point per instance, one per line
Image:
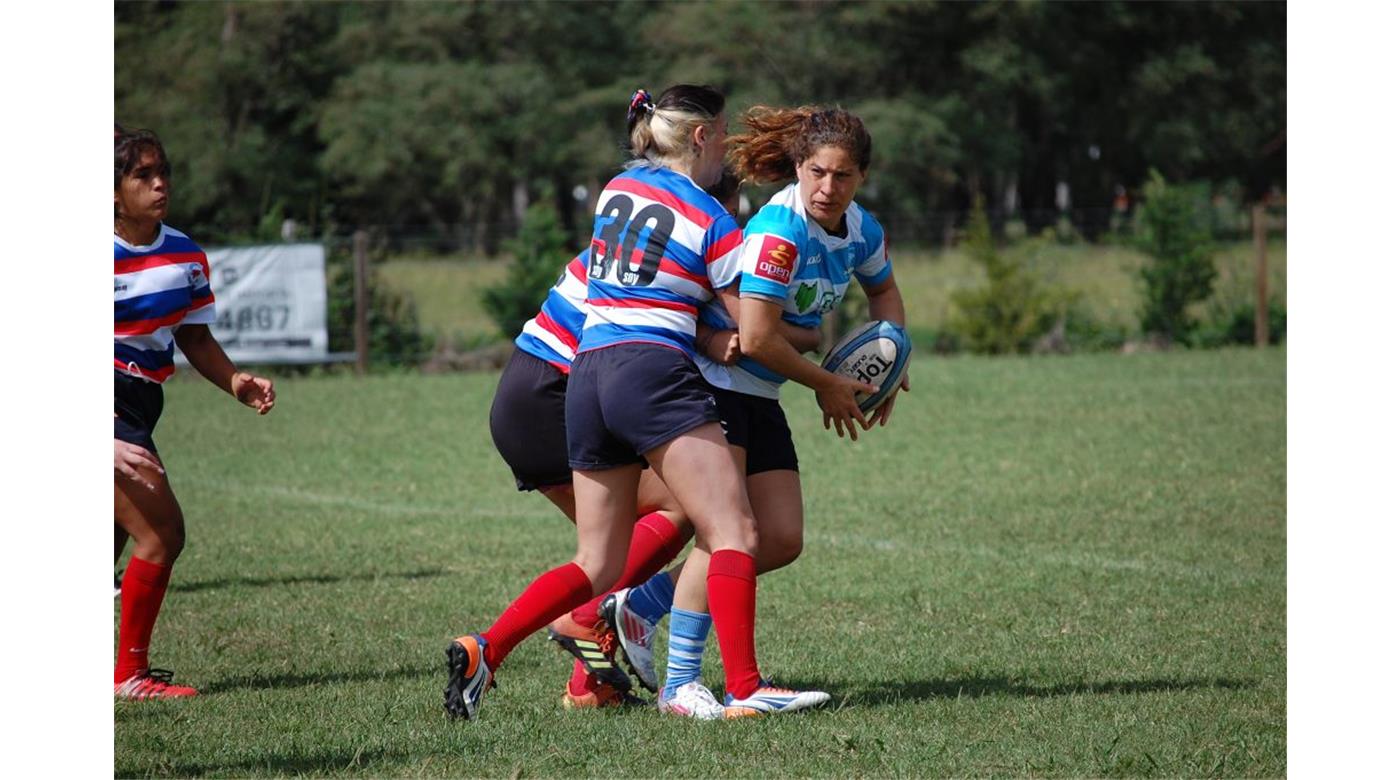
(780, 139)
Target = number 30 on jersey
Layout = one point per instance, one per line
(614, 249)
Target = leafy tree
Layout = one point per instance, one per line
(538, 254)
(1175, 233)
(1006, 314)
(450, 117)
(395, 336)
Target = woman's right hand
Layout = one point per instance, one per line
(722, 346)
(838, 402)
(129, 459)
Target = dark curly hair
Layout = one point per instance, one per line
(127, 147)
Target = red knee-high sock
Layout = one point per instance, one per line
(549, 596)
(655, 542)
(732, 585)
(143, 590)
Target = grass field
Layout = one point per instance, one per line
(1048, 567)
(448, 291)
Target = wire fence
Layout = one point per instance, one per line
(400, 334)
(934, 229)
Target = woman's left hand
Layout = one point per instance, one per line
(882, 414)
(254, 391)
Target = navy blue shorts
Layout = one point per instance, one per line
(527, 422)
(628, 399)
(138, 405)
(758, 426)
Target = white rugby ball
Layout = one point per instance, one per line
(876, 353)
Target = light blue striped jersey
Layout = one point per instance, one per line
(790, 259)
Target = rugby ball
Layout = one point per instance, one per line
(876, 353)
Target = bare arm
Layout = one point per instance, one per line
(802, 339)
(208, 358)
(761, 338)
(720, 345)
(885, 301)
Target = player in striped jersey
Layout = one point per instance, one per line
(800, 253)
(528, 428)
(161, 298)
(661, 246)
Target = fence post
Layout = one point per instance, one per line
(1261, 276)
(361, 252)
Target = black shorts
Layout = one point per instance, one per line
(138, 404)
(759, 426)
(527, 422)
(628, 399)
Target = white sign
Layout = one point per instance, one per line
(270, 302)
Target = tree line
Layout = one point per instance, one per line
(450, 119)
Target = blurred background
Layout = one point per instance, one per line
(1053, 176)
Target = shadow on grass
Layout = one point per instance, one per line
(976, 687)
(320, 762)
(295, 680)
(300, 579)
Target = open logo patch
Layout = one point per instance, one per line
(776, 259)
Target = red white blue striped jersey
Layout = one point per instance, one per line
(661, 247)
(157, 288)
(552, 335)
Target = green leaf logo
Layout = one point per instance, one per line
(806, 294)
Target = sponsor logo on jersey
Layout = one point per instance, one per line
(776, 258)
(806, 296)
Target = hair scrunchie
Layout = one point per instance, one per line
(641, 100)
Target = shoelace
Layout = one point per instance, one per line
(764, 684)
(607, 640)
(148, 682)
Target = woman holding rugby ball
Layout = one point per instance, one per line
(162, 298)
(800, 252)
(660, 248)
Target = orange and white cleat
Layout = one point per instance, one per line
(603, 696)
(151, 684)
(468, 676)
(769, 699)
(595, 647)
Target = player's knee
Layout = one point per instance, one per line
(602, 571)
(172, 542)
(170, 534)
(779, 550)
(740, 535)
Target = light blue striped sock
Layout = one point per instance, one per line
(652, 599)
(685, 649)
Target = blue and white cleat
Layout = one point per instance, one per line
(692, 700)
(468, 676)
(637, 635)
(771, 700)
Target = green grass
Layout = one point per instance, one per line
(448, 294)
(448, 291)
(1048, 567)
